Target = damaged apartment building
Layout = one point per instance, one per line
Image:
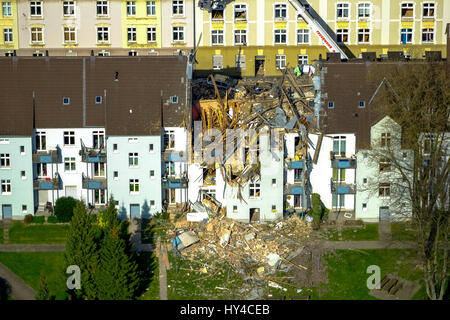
(91, 128)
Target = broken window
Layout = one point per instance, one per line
(385, 190)
(407, 10)
(240, 61)
(342, 35)
(240, 12)
(428, 10)
(386, 139)
(217, 14)
(255, 190)
(217, 62)
(385, 165)
(363, 35)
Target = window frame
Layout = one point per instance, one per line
(37, 31)
(5, 5)
(71, 162)
(151, 34)
(5, 161)
(71, 30)
(364, 6)
(280, 8)
(280, 33)
(178, 30)
(240, 34)
(407, 6)
(134, 186)
(384, 190)
(430, 6)
(131, 31)
(8, 33)
(176, 6)
(426, 31)
(342, 33)
(364, 32)
(409, 32)
(133, 160)
(345, 7)
(240, 6)
(36, 5)
(255, 188)
(301, 59)
(301, 35)
(6, 188)
(102, 5)
(279, 58)
(216, 34)
(68, 5)
(131, 8)
(151, 7)
(104, 30)
(70, 135)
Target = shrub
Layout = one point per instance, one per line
(52, 219)
(39, 219)
(28, 218)
(64, 208)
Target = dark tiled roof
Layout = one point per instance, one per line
(144, 84)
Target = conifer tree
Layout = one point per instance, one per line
(43, 291)
(82, 250)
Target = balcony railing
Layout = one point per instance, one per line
(294, 188)
(174, 156)
(174, 182)
(342, 161)
(92, 155)
(93, 183)
(47, 156)
(48, 183)
(295, 164)
(342, 187)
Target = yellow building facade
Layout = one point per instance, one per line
(262, 36)
(8, 26)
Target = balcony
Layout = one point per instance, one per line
(174, 156)
(295, 164)
(47, 156)
(293, 188)
(342, 187)
(48, 183)
(93, 183)
(174, 182)
(342, 161)
(92, 155)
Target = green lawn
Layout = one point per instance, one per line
(1, 235)
(369, 232)
(20, 233)
(152, 292)
(30, 266)
(403, 231)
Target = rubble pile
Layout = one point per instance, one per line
(243, 246)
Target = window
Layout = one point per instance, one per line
(342, 11)
(384, 190)
(132, 53)
(169, 139)
(178, 34)
(364, 10)
(42, 170)
(35, 8)
(116, 175)
(98, 99)
(338, 174)
(255, 190)
(235, 209)
(37, 54)
(217, 37)
(363, 35)
(66, 101)
(386, 139)
(7, 9)
(115, 147)
(169, 168)
(22, 150)
(217, 62)
(151, 8)
(342, 35)
(69, 34)
(274, 208)
(174, 99)
(240, 61)
(4, 141)
(302, 59)
(103, 53)
(5, 160)
(385, 165)
(298, 175)
(177, 7)
(152, 204)
(339, 146)
(274, 182)
(134, 185)
(8, 35)
(280, 61)
(98, 139)
(150, 147)
(6, 186)
(151, 34)
(41, 141)
(330, 104)
(428, 10)
(24, 208)
(68, 8)
(364, 206)
(280, 11)
(407, 10)
(36, 34)
(131, 8)
(102, 8)
(69, 164)
(302, 36)
(69, 138)
(364, 180)
(152, 174)
(406, 36)
(102, 34)
(133, 159)
(133, 140)
(428, 35)
(216, 14)
(240, 12)
(335, 198)
(362, 104)
(240, 37)
(99, 169)
(131, 32)
(280, 36)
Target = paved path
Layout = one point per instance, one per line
(32, 247)
(162, 256)
(368, 244)
(384, 231)
(19, 289)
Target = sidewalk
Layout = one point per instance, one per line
(19, 289)
(32, 248)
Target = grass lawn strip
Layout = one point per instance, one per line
(20, 233)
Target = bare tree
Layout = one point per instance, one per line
(416, 95)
